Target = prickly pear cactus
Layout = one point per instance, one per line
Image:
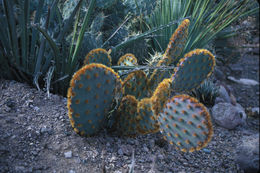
(140, 7)
(136, 84)
(146, 106)
(192, 70)
(146, 119)
(160, 96)
(97, 23)
(104, 4)
(185, 123)
(68, 7)
(126, 60)
(177, 42)
(98, 56)
(126, 116)
(90, 97)
(172, 53)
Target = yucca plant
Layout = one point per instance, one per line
(207, 17)
(35, 44)
(25, 54)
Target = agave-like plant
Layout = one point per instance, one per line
(207, 18)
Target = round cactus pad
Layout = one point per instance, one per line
(126, 116)
(192, 70)
(146, 119)
(127, 60)
(90, 96)
(185, 123)
(136, 84)
(98, 55)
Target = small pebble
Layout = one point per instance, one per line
(120, 152)
(206, 150)
(145, 149)
(68, 154)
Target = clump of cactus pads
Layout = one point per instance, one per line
(98, 55)
(146, 107)
(185, 123)
(172, 53)
(192, 70)
(90, 96)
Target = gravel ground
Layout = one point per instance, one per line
(36, 136)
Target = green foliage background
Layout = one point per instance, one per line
(44, 42)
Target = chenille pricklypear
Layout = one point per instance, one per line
(145, 104)
(90, 97)
(185, 123)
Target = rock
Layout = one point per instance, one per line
(243, 81)
(125, 150)
(255, 110)
(256, 40)
(20, 169)
(160, 157)
(206, 150)
(219, 75)
(236, 69)
(252, 112)
(10, 103)
(247, 155)
(36, 108)
(46, 130)
(145, 149)
(68, 154)
(120, 152)
(223, 95)
(228, 116)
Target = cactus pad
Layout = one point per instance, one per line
(192, 70)
(90, 96)
(185, 123)
(177, 42)
(172, 53)
(98, 55)
(126, 116)
(146, 120)
(160, 96)
(136, 84)
(158, 75)
(127, 60)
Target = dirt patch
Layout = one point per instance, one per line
(36, 136)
